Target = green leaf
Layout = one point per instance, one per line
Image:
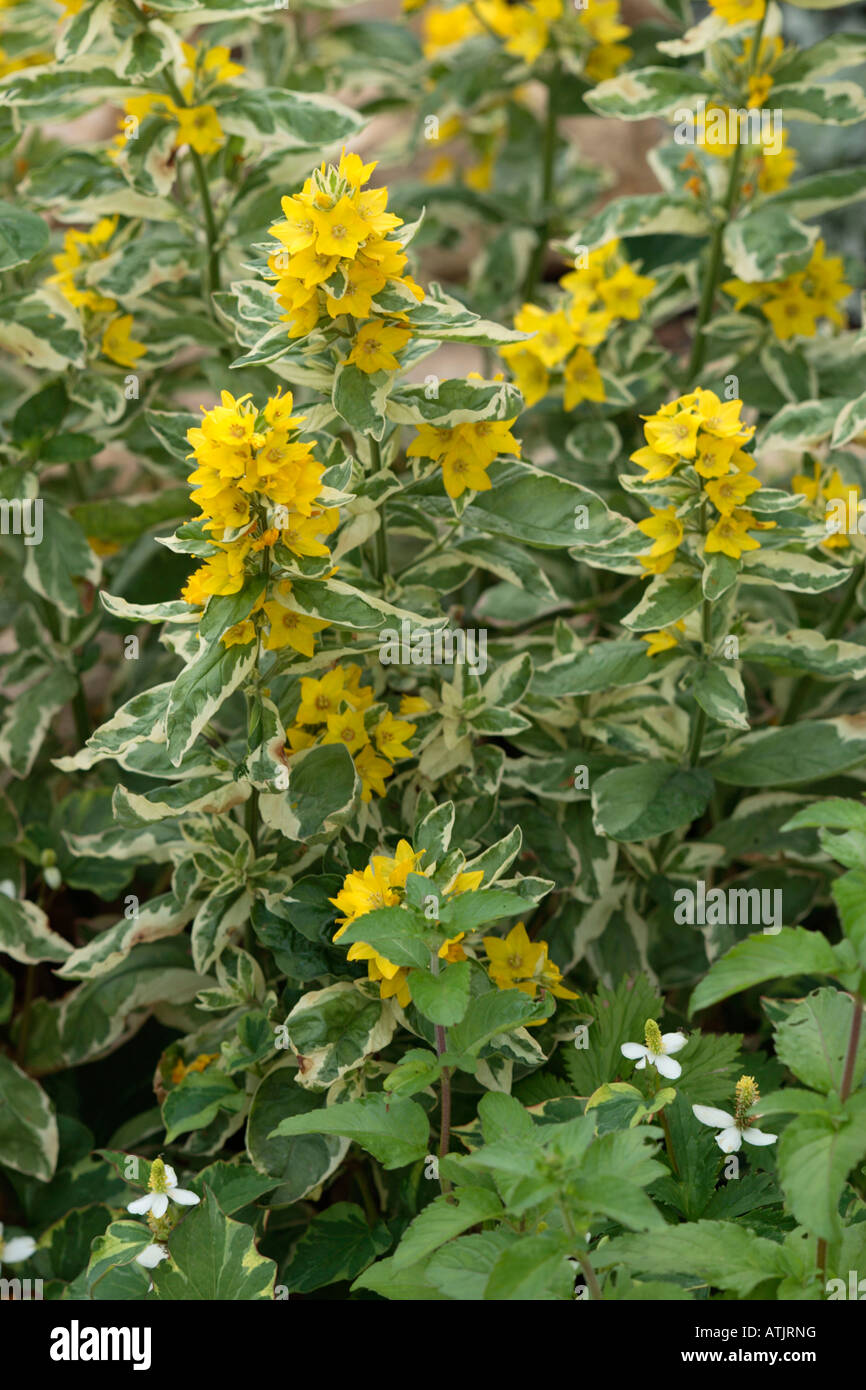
(332, 1030)
(338, 1244)
(641, 803)
(197, 1099)
(400, 934)
(200, 690)
(724, 1255)
(767, 244)
(718, 689)
(816, 1154)
(601, 667)
(812, 750)
(25, 934)
(395, 1132)
(648, 92)
(792, 951)
(300, 1164)
(22, 235)
(497, 1011)
(468, 911)
(535, 1268)
(442, 1219)
(665, 601)
(292, 120)
(812, 1040)
(28, 1126)
(443, 998)
(360, 397)
(213, 1259)
(849, 893)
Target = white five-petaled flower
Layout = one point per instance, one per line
(656, 1050)
(733, 1129)
(13, 1251)
(163, 1185)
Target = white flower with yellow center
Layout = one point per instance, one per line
(737, 1128)
(163, 1186)
(656, 1050)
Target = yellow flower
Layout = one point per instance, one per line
(199, 127)
(201, 1063)
(240, 634)
(808, 487)
(321, 698)
(663, 640)
(730, 535)
(713, 458)
(554, 338)
(451, 950)
(721, 418)
(513, 960)
(624, 293)
(348, 728)
(119, 345)
(390, 734)
(461, 471)
(658, 466)
(665, 528)
(726, 494)
(290, 629)
(606, 59)
(372, 771)
(378, 885)
(792, 313)
(375, 345)
(529, 372)
(583, 380)
(674, 434)
(739, 11)
(300, 533)
(413, 704)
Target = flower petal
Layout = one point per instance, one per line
(18, 1248)
(170, 1176)
(151, 1256)
(185, 1198)
(709, 1115)
(758, 1138)
(160, 1204)
(141, 1204)
(729, 1140)
(672, 1042)
(667, 1067)
(633, 1050)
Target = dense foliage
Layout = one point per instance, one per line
(432, 844)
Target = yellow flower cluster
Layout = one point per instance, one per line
(700, 432)
(465, 451)
(197, 122)
(80, 251)
(524, 28)
(794, 304)
(336, 255)
(332, 710)
(381, 884)
(601, 290)
(257, 484)
(739, 11)
(827, 485)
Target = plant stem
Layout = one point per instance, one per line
(699, 727)
(710, 284)
(583, 1259)
(213, 264)
(853, 1044)
(380, 538)
(445, 1090)
(548, 155)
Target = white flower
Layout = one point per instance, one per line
(656, 1050)
(163, 1185)
(151, 1256)
(731, 1135)
(13, 1251)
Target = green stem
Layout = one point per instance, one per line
(710, 284)
(445, 1091)
(699, 727)
(548, 155)
(853, 1044)
(380, 538)
(213, 264)
(583, 1259)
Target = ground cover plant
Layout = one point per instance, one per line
(432, 835)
